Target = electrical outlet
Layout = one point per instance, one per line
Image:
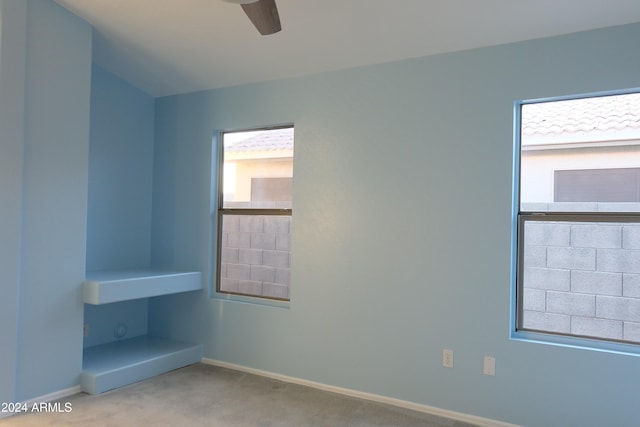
(85, 330)
(489, 367)
(447, 358)
(120, 330)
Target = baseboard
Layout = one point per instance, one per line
(432, 410)
(56, 395)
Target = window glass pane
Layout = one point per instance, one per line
(258, 169)
(255, 255)
(581, 155)
(582, 278)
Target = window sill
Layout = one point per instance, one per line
(627, 349)
(246, 299)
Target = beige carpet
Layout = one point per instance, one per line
(203, 395)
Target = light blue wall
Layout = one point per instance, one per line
(120, 174)
(401, 233)
(120, 183)
(12, 80)
(46, 144)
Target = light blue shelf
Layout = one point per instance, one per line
(123, 362)
(103, 287)
(120, 363)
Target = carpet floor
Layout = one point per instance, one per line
(204, 395)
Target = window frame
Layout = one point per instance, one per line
(221, 211)
(520, 217)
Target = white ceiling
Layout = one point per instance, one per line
(175, 46)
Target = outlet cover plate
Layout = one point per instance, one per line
(489, 367)
(447, 358)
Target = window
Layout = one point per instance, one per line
(577, 247)
(597, 185)
(254, 213)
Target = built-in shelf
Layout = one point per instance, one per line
(120, 363)
(103, 287)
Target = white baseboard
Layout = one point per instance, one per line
(458, 416)
(61, 394)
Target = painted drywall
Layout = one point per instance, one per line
(48, 190)
(12, 80)
(120, 174)
(401, 231)
(119, 197)
(116, 321)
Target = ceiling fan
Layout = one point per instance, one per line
(262, 13)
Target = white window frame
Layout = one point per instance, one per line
(221, 211)
(521, 217)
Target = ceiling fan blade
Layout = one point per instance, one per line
(264, 16)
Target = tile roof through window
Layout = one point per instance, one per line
(269, 140)
(604, 117)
